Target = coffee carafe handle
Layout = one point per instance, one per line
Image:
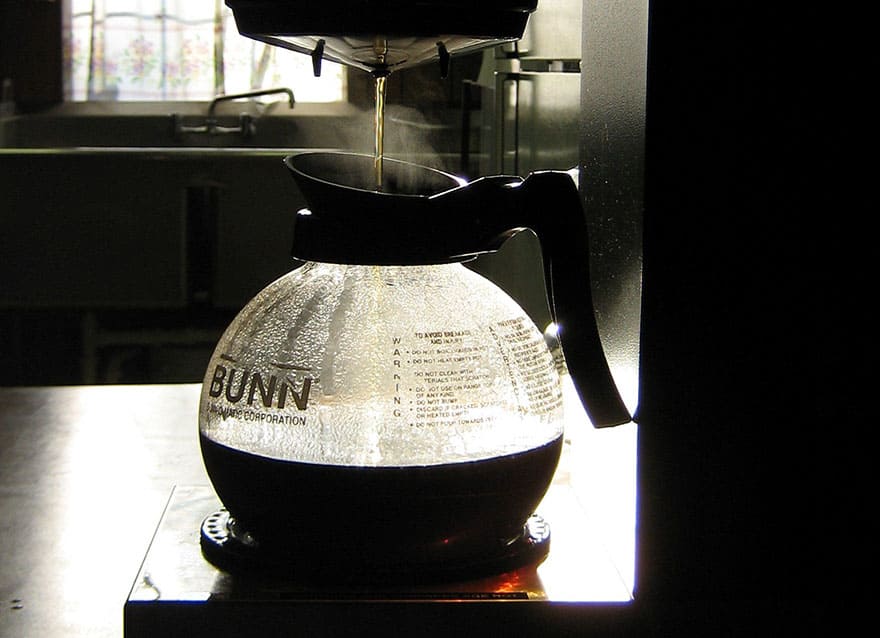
(551, 207)
(480, 216)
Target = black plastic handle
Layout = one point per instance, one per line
(553, 211)
(482, 215)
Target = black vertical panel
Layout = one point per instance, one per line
(201, 241)
(725, 454)
(30, 52)
(612, 147)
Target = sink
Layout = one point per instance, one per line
(107, 205)
(126, 248)
(104, 206)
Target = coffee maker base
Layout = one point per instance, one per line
(177, 592)
(231, 549)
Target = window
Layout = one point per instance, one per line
(141, 50)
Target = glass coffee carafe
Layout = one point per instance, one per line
(383, 410)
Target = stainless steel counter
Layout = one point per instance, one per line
(86, 473)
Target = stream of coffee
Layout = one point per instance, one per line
(379, 126)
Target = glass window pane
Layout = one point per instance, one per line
(139, 50)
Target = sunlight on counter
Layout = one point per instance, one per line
(591, 509)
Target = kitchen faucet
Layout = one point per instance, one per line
(246, 127)
(236, 96)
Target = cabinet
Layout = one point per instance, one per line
(126, 265)
(142, 229)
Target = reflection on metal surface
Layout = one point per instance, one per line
(84, 473)
(595, 491)
(101, 463)
(538, 116)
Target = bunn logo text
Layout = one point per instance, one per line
(270, 390)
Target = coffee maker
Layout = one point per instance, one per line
(424, 33)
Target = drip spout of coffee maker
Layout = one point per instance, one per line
(381, 36)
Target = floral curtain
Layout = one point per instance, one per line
(178, 50)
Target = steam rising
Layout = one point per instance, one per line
(409, 135)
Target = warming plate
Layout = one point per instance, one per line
(178, 592)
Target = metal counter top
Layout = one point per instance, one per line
(86, 473)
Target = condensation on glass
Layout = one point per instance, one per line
(382, 366)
